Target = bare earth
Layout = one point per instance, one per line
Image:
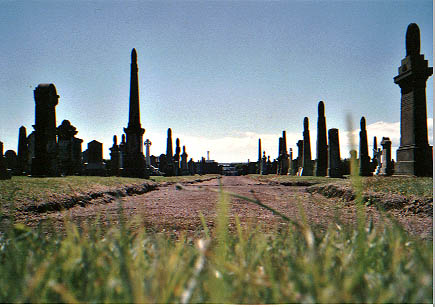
(176, 211)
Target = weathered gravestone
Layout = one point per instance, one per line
(177, 157)
(192, 167)
(69, 149)
(122, 151)
(322, 145)
(134, 163)
(11, 161)
(147, 151)
(307, 163)
(95, 165)
(386, 163)
(184, 166)
(285, 157)
(364, 159)
(115, 158)
(334, 163)
(44, 160)
(22, 166)
(263, 170)
(300, 145)
(3, 171)
(414, 155)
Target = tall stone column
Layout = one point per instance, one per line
(184, 165)
(259, 156)
(322, 145)
(169, 170)
(334, 165)
(134, 164)
(44, 161)
(285, 156)
(386, 163)
(177, 157)
(22, 151)
(280, 157)
(307, 164)
(414, 156)
(300, 145)
(364, 159)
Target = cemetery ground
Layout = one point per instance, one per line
(205, 239)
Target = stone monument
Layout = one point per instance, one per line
(414, 155)
(44, 161)
(334, 163)
(259, 156)
(134, 164)
(184, 166)
(364, 159)
(322, 145)
(147, 151)
(307, 164)
(95, 165)
(115, 158)
(22, 167)
(169, 169)
(69, 149)
(3, 171)
(386, 163)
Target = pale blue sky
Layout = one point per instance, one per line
(209, 70)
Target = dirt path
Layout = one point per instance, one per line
(172, 210)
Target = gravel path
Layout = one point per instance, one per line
(172, 210)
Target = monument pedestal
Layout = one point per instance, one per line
(414, 160)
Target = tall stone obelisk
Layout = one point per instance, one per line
(321, 145)
(414, 156)
(134, 164)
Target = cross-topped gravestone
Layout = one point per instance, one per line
(147, 151)
(414, 155)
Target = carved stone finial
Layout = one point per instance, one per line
(321, 108)
(306, 123)
(412, 40)
(133, 56)
(363, 123)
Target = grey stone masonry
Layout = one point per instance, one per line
(334, 163)
(414, 155)
(322, 145)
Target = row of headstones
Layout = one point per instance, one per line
(328, 162)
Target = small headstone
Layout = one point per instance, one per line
(95, 165)
(11, 161)
(3, 171)
(386, 163)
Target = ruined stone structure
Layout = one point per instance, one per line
(414, 156)
(22, 166)
(69, 149)
(334, 163)
(322, 145)
(307, 163)
(386, 163)
(44, 161)
(134, 164)
(364, 159)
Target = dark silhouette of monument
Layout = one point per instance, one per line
(22, 167)
(44, 161)
(69, 149)
(322, 146)
(364, 159)
(259, 156)
(334, 165)
(115, 158)
(134, 164)
(3, 171)
(414, 156)
(177, 157)
(307, 163)
(169, 167)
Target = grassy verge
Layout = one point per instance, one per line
(22, 189)
(406, 186)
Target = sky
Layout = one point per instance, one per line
(220, 74)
